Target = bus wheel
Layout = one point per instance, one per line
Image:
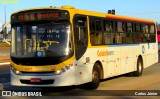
(95, 78)
(139, 70)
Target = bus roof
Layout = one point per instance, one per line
(92, 13)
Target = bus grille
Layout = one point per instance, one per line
(43, 82)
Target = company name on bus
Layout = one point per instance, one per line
(101, 53)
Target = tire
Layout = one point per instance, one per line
(139, 70)
(94, 84)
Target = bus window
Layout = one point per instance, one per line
(109, 26)
(118, 38)
(129, 27)
(107, 38)
(98, 25)
(121, 26)
(152, 29)
(113, 38)
(99, 38)
(146, 33)
(145, 28)
(80, 35)
(147, 37)
(138, 33)
(92, 25)
(138, 28)
(152, 33)
(96, 33)
(140, 37)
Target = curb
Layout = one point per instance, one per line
(4, 60)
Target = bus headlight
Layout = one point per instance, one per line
(58, 72)
(18, 72)
(15, 71)
(64, 69)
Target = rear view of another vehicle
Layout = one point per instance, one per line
(158, 36)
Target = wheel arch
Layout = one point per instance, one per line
(100, 67)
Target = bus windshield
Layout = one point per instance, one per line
(42, 40)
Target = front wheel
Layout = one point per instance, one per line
(95, 79)
(139, 70)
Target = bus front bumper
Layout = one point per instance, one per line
(43, 79)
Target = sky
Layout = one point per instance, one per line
(147, 9)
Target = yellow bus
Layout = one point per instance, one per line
(66, 46)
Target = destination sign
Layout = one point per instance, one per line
(38, 16)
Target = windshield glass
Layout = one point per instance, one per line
(42, 40)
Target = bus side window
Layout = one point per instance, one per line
(129, 27)
(152, 30)
(145, 28)
(152, 33)
(96, 27)
(120, 26)
(109, 26)
(107, 38)
(139, 33)
(96, 38)
(92, 37)
(113, 38)
(99, 38)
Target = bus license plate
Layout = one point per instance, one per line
(35, 80)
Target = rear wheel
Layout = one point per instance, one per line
(139, 70)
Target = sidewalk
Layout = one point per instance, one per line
(4, 54)
(4, 60)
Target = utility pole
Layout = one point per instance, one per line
(5, 13)
(4, 27)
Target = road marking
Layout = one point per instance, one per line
(6, 63)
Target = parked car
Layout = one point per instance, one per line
(1, 39)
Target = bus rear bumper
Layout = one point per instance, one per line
(43, 80)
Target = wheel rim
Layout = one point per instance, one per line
(140, 67)
(95, 77)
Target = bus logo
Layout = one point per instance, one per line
(101, 53)
(39, 53)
